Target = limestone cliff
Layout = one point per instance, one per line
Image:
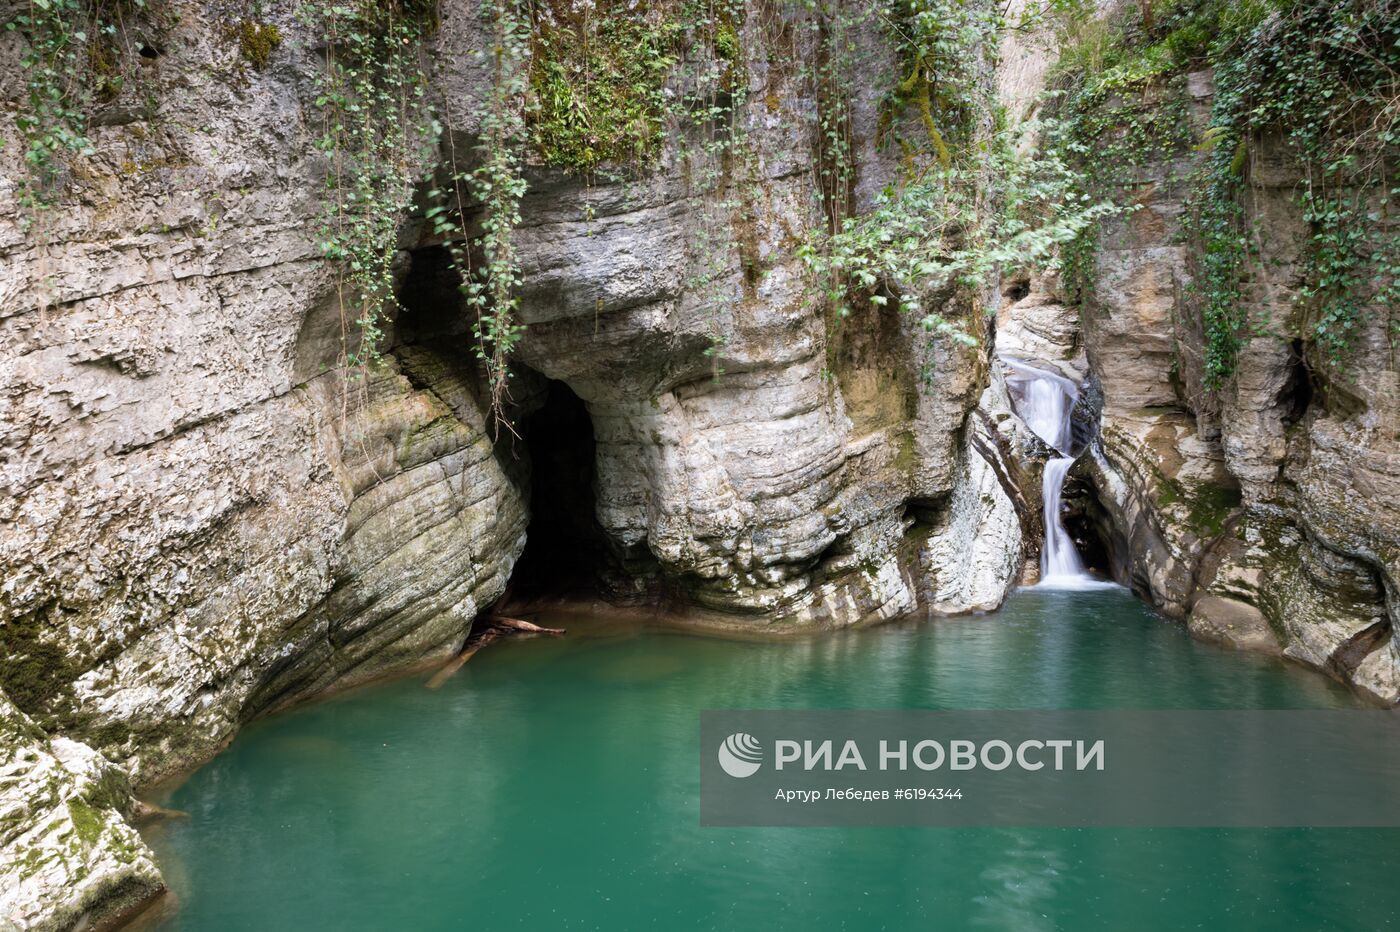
(210, 510)
(1261, 510)
(207, 514)
(70, 860)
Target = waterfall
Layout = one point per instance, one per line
(1058, 559)
(1047, 399)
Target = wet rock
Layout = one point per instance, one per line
(1273, 494)
(206, 515)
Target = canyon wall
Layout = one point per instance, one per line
(1262, 512)
(207, 514)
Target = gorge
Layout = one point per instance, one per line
(331, 332)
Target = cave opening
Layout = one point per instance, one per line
(1016, 289)
(549, 450)
(1296, 395)
(430, 295)
(566, 551)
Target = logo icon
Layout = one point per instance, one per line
(740, 755)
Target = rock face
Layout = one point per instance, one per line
(206, 515)
(1265, 512)
(67, 857)
(746, 452)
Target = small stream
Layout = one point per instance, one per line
(553, 783)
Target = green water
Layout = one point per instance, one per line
(554, 784)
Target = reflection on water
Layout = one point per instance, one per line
(554, 782)
(1021, 885)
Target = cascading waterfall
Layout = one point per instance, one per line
(1047, 399)
(1059, 560)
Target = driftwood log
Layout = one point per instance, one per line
(495, 628)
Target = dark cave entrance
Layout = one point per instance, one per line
(430, 294)
(550, 454)
(566, 551)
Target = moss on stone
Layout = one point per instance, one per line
(1208, 505)
(87, 821)
(907, 457)
(35, 668)
(727, 43)
(598, 77)
(257, 41)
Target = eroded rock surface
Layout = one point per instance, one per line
(1265, 511)
(68, 858)
(206, 515)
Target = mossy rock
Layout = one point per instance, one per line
(257, 41)
(36, 668)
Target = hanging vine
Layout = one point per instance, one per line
(973, 199)
(1323, 77)
(1326, 78)
(378, 134)
(490, 284)
(75, 55)
(717, 159)
(53, 126)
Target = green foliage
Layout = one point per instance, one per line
(70, 46)
(88, 823)
(1323, 76)
(488, 267)
(975, 198)
(597, 75)
(377, 131)
(944, 47)
(498, 185)
(828, 74)
(54, 124)
(1320, 75)
(582, 84)
(380, 132)
(717, 161)
(77, 53)
(1119, 101)
(1216, 222)
(936, 231)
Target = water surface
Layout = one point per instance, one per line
(553, 783)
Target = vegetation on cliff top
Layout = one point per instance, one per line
(1323, 77)
(585, 86)
(974, 199)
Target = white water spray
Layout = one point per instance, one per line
(1047, 399)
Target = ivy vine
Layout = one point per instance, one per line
(72, 57)
(378, 133)
(974, 200)
(487, 266)
(1322, 76)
